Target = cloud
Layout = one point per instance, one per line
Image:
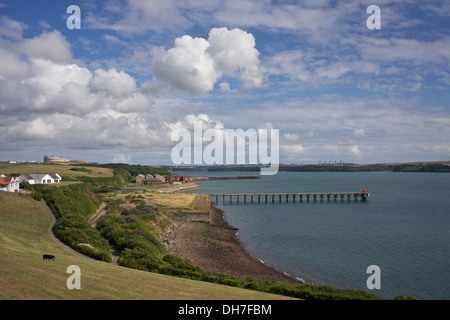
(291, 136)
(305, 18)
(234, 51)
(49, 103)
(354, 150)
(122, 158)
(292, 148)
(195, 64)
(406, 50)
(132, 98)
(350, 128)
(114, 83)
(360, 133)
(304, 66)
(137, 16)
(55, 87)
(186, 66)
(154, 9)
(36, 129)
(10, 28)
(11, 66)
(49, 46)
(189, 120)
(224, 87)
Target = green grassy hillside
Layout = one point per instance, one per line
(25, 237)
(62, 170)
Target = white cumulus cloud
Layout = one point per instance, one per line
(195, 64)
(48, 45)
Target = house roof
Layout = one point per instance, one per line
(39, 176)
(4, 181)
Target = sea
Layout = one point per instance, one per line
(403, 228)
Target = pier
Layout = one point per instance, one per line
(286, 197)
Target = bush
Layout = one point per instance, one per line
(180, 263)
(37, 196)
(25, 186)
(73, 205)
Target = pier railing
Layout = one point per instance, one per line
(286, 197)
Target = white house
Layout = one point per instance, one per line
(8, 183)
(40, 178)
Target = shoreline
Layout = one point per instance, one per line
(210, 243)
(177, 188)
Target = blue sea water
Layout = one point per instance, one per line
(403, 227)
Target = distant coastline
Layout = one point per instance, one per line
(437, 166)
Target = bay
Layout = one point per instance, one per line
(403, 228)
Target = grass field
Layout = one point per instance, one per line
(62, 170)
(25, 237)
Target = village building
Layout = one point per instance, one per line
(8, 183)
(148, 179)
(40, 178)
(160, 177)
(139, 178)
(178, 179)
(151, 181)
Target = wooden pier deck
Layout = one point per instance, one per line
(286, 197)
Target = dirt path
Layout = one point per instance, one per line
(101, 211)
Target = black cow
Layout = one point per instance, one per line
(48, 257)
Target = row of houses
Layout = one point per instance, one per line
(159, 179)
(150, 179)
(11, 184)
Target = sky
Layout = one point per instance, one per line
(117, 87)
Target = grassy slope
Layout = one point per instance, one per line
(62, 170)
(24, 238)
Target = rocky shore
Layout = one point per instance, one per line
(209, 242)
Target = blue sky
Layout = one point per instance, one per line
(115, 89)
